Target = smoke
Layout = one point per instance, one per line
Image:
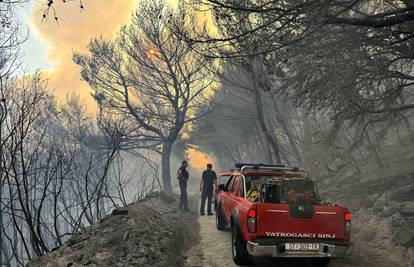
(198, 159)
(72, 32)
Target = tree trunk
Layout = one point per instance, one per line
(284, 123)
(260, 82)
(1, 232)
(165, 166)
(264, 147)
(271, 139)
(374, 150)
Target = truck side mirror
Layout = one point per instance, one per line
(222, 187)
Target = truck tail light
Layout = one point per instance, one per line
(347, 223)
(251, 221)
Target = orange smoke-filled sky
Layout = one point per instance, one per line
(51, 45)
(197, 159)
(73, 33)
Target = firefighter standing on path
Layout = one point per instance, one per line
(182, 176)
(208, 179)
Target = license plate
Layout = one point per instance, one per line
(302, 246)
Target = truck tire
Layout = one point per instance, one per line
(238, 248)
(322, 262)
(220, 222)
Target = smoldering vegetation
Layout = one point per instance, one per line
(60, 171)
(127, 238)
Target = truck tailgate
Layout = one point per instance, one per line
(286, 221)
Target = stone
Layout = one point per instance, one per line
(389, 211)
(132, 223)
(403, 230)
(407, 209)
(103, 256)
(55, 248)
(404, 237)
(126, 236)
(76, 239)
(78, 245)
(404, 194)
(86, 262)
(121, 252)
(379, 204)
(141, 253)
(120, 211)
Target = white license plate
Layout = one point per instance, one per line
(302, 246)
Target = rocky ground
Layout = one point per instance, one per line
(382, 204)
(147, 233)
(383, 220)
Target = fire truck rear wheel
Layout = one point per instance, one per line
(220, 223)
(238, 247)
(322, 262)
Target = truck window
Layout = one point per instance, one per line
(299, 191)
(224, 179)
(228, 184)
(272, 193)
(236, 181)
(241, 188)
(253, 188)
(273, 189)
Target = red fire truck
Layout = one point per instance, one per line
(276, 211)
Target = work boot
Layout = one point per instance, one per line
(202, 213)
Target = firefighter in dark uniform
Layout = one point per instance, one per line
(209, 179)
(182, 175)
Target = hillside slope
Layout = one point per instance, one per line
(148, 233)
(382, 203)
(153, 233)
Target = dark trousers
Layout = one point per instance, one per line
(206, 194)
(183, 196)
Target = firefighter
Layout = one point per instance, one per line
(182, 176)
(208, 180)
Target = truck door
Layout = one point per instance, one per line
(226, 198)
(232, 201)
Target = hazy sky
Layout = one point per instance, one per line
(50, 45)
(34, 49)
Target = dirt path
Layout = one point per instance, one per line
(216, 247)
